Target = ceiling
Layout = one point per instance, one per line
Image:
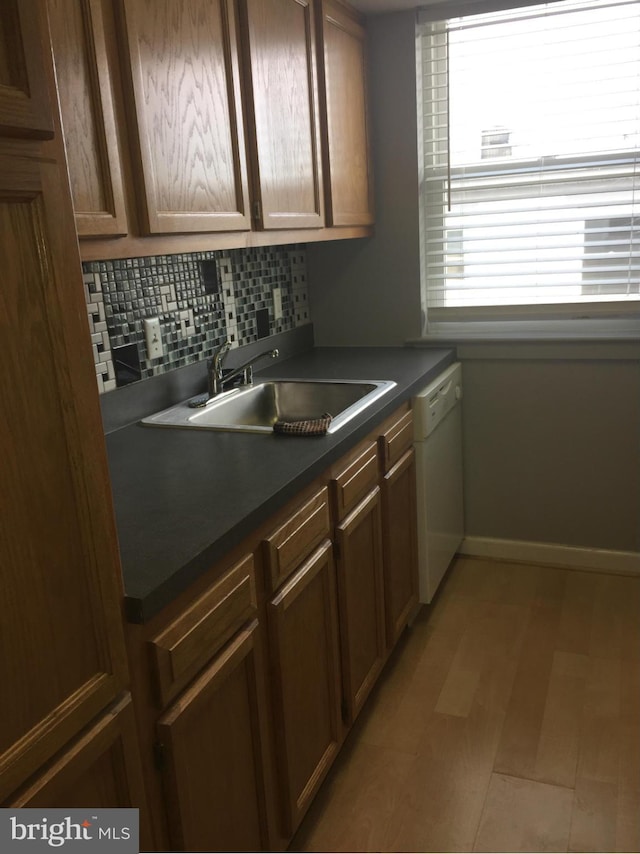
(375, 6)
(369, 7)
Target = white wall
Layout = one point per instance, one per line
(551, 431)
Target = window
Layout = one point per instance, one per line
(530, 197)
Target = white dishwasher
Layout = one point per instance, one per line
(438, 445)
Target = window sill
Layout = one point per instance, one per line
(510, 345)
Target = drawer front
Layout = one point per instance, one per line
(396, 440)
(294, 541)
(356, 480)
(181, 650)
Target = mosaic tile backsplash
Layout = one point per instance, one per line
(201, 299)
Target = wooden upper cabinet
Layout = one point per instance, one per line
(25, 109)
(83, 48)
(283, 112)
(348, 178)
(186, 110)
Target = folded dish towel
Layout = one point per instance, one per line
(308, 427)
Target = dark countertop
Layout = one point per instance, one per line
(183, 498)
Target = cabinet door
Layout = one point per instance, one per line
(99, 770)
(348, 173)
(400, 544)
(62, 657)
(306, 682)
(361, 605)
(187, 112)
(281, 68)
(214, 742)
(83, 49)
(25, 109)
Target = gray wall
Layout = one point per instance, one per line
(551, 430)
(368, 291)
(552, 444)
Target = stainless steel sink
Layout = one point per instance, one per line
(256, 408)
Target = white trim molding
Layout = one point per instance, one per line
(553, 554)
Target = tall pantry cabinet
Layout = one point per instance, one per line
(67, 734)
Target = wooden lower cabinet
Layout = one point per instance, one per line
(361, 602)
(248, 682)
(306, 682)
(213, 743)
(399, 537)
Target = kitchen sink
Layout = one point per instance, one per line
(256, 408)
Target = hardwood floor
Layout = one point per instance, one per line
(508, 719)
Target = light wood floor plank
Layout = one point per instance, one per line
(522, 815)
(356, 803)
(593, 824)
(444, 791)
(518, 749)
(399, 708)
(628, 820)
(559, 742)
(628, 812)
(574, 630)
(600, 736)
(508, 719)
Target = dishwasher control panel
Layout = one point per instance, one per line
(435, 401)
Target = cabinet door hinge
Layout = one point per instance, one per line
(257, 210)
(159, 755)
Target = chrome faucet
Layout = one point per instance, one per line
(214, 368)
(217, 378)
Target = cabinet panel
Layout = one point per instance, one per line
(281, 76)
(304, 633)
(84, 61)
(293, 541)
(214, 766)
(348, 173)
(99, 770)
(396, 439)
(361, 605)
(60, 594)
(186, 107)
(353, 482)
(400, 544)
(190, 641)
(25, 109)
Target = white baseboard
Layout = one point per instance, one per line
(572, 557)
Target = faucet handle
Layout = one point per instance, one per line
(222, 349)
(218, 357)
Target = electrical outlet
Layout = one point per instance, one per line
(277, 304)
(153, 337)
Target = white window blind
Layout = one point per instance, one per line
(530, 196)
